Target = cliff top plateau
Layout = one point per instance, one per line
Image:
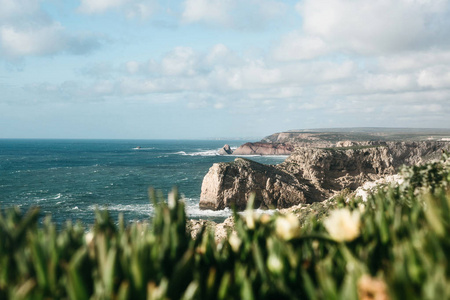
(331, 136)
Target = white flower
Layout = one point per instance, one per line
(287, 227)
(250, 217)
(88, 238)
(172, 202)
(235, 242)
(274, 264)
(361, 207)
(343, 225)
(264, 219)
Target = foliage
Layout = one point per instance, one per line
(398, 249)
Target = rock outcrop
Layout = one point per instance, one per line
(309, 174)
(264, 149)
(230, 184)
(225, 150)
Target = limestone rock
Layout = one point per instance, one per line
(225, 150)
(221, 230)
(264, 149)
(228, 184)
(309, 174)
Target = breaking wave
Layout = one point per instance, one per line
(200, 153)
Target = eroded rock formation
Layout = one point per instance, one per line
(264, 149)
(225, 150)
(309, 174)
(228, 184)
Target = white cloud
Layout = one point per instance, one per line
(104, 87)
(233, 13)
(219, 105)
(42, 41)
(295, 46)
(45, 40)
(435, 77)
(215, 11)
(413, 60)
(22, 11)
(181, 61)
(132, 67)
(221, 55)
(310, 74)
(285, 92)
(25, 29)
(130, 8)
(389, 82)
(373, 27)
(99, 6)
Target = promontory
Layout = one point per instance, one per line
(321, 163)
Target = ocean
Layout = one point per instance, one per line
(70, 179)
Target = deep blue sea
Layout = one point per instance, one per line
(69, 179)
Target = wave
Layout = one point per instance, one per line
(192, 210)
(216, 153)
(200, 153)
(141, 208)
(260, 211)
(196, 212)
(144, 148)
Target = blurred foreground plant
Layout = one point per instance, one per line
(394, 246)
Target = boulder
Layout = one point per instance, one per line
(225, 150)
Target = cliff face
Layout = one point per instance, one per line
(331, 170)
(228, 184)
(264, 149)
(328, 137)
(309, 174)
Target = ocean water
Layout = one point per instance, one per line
(70, 179)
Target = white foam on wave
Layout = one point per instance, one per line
(200, 153)
(215, 152)
(196, 212)
(141, 208)
(146, 148)
(54, 197)
(263, 211)
(193, 210)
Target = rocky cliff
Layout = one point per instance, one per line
(329, 137)
(264, 149)
(228, 184)
(309, 174)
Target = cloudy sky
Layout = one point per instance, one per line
(220, 68)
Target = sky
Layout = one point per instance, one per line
(200, 69)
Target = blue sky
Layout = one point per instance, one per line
(220, 68)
